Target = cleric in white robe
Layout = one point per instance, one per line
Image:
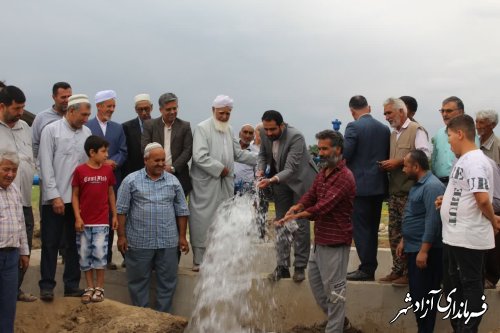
(212, 172)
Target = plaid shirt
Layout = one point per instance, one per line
(12, 227)
(151, 207)
(330, 200)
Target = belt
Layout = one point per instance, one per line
(444, 179)
(8, 249)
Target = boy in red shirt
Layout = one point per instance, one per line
(93, 198)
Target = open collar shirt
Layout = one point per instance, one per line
(12, 226)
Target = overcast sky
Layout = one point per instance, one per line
(302, 58)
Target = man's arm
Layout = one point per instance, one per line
(350, 142)
(484, 204)
(201, 154)
(242, 155)
(181, 162)
(182, 227)
(121, 155)
(293, 158)
(75, 202)
(112, 206)
(122, 243)
(147, 134)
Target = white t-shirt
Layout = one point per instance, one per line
(464, 224)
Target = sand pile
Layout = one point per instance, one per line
(70, 315)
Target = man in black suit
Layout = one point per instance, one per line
(133, 131)
(175, 136)
(366, 143)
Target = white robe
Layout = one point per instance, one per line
(212, 151)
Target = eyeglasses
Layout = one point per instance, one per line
(447, 110)
(144, 109)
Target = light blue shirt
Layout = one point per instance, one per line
(60, 152)
(41, 120)
(151, 207)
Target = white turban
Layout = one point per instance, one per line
(151, 146)
(142, 97)
(105, 95)
(222, 101)
(77, 99)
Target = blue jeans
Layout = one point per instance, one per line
(54, 228)
(139, 264)
(464, 271)
(92, 245)
(9, 269)
(421, 281)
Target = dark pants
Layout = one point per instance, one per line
(421, 281)
(29, 221)
(492, 262)
(9, 269)
(54, 228)
(366, 221)
(284, 198)
(464, 272)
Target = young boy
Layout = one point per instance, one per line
(93, 198)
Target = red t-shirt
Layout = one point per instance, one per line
(94, 200)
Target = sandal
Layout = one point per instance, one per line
(26, 297)
(87, 295)
(98, 295)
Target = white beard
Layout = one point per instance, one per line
(221, 126)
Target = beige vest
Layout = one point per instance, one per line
(399, 184)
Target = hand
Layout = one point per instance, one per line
(168, 168)
(263, 183)
(122, 244)
(58, 206)
(224, 172)
(400, 249)
(285, 219)
(422, 259)
(183, 245)
(24, 262)
(438, 202)
(111, 163)
(79, 225)
(114, 223)
(389, 165)
(294, 209)
(259, 174)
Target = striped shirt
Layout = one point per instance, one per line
(330, 200)
(12, 227)
(151, 207)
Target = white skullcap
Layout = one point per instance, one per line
(104, 95)
(142, 97)
(222, 101)
(77, 99)
(151, 146)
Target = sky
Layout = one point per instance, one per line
(305, 59)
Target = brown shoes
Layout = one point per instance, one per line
(389, 278)
(401, 281)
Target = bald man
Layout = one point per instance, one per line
(244, 175)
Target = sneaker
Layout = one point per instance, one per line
(358, 275)
(389, 278)
(47, 295)
(401, 281)
(299, 274)
(280, 272)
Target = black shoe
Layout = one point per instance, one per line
(299, 274)
(73, 292)
(281, 272)
(47, 295)
(359, 276)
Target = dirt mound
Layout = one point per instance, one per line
(70, 315)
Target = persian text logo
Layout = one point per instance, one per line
(432, 302)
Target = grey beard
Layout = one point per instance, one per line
(330, 162)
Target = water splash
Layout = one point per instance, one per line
(228, 271)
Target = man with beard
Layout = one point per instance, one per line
(407, 136)
(330, 203)
(244, 175)
(421, 236)
(61, 92)
(212, 172)
(15, 134)
(283, 150)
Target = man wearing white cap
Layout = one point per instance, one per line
(103, 126)
(212, 172)
(174, 134)
(133, 130)
(60, 152)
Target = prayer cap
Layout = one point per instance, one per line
(104, 95)
(151, 146)
(222, 101)
(77, 99)
(142, 97)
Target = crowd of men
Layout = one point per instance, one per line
(157, 163)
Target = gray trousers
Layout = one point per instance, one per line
(198, 254)
(284, 198)
(327, 278)
(139, 267)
